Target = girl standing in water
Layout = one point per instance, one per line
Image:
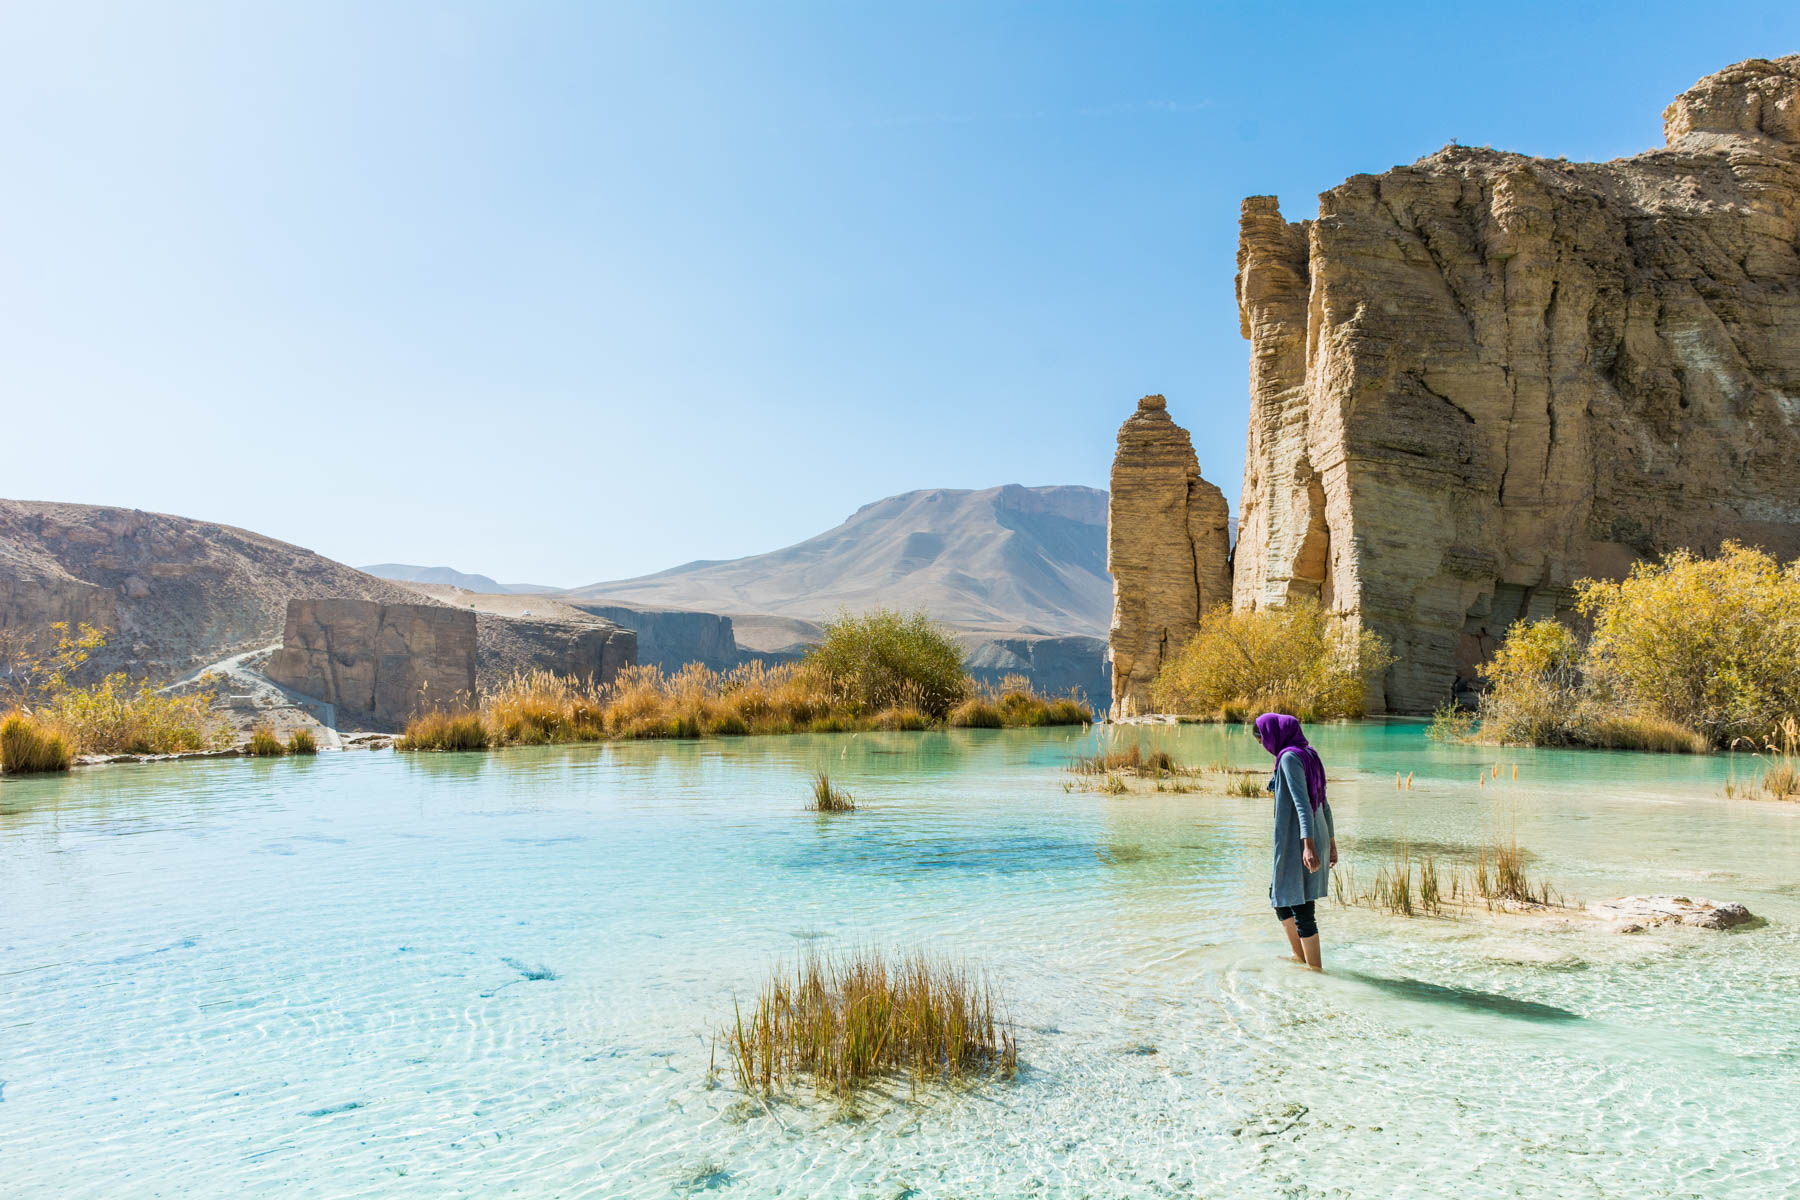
(1302, 825)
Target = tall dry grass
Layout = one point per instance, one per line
(845, 1022)
(264, 744)
(1408, 884)
(1778, 778)
(29, 746)
(540, 707)
(119, 716)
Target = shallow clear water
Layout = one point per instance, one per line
(442, 975)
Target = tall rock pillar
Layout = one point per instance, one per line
(1168, 548)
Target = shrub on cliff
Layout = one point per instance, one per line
(882, 659)
(1296, 659)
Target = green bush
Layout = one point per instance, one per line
(1296, 659)
(1711, 644)
(1686, 653)
(883, 659)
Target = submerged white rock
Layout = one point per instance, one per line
(1637, 912)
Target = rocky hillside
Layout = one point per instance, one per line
(176, 593)
(1007, 558)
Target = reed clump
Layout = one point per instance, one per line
(1779, 776)
(1247, 785)
(1133, 759)
(827, 797)
(302, 742)
(976, 714)
(441, 730)
(845, 1022)
(264, 744)
(1409, 885)
(542, 708)
(29, 746)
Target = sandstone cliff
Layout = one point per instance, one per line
(378, 663)
(1482, 377)
(1167, 547)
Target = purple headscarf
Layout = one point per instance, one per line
(1280, 734)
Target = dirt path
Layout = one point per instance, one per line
(247, 698)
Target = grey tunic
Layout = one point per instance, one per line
(1295, 819)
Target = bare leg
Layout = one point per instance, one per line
(1309, 950)
(1294, 940)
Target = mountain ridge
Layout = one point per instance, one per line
(1000, 558)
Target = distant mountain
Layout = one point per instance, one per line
(1030, 559)
(408, 573)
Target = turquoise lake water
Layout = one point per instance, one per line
(479, 975)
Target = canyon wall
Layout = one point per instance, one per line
(1167, 547)
(379, 663)
(1480, 378)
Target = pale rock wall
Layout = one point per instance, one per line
(380, 663)
(1480, 378)
(1168, 549)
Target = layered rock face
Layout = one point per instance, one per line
(379, 663)
(1167, 546)
(1483, 377)
(1054, 666)
(584, 649)
(670, 638)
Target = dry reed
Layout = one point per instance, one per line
(829, 798)
(264, 744)
(845, 1022)
(29, 746)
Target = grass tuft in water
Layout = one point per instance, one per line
(845, 1022)
(264, 744)
(828, 798)
(28, 746)
(1247, 785)
(438, 730)
(1410, 886)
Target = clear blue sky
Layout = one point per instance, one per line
(567, 292)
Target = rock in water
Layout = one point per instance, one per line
(1636, 912)
(1479, 378)
(1167, 546)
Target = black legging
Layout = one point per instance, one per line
(1302, 916)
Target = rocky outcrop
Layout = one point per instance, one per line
(1167, 547)
(1480, 378)
(378, 663)
(670, 638)
(583, 649)
(1054, 666)
(1633, 913)
(171, 593)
